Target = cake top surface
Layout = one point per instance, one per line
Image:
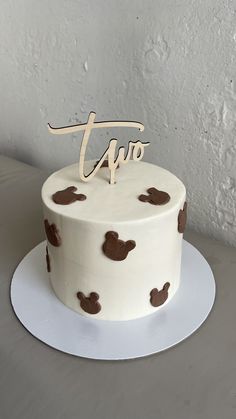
(114, 203)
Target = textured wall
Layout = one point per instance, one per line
(167, 63)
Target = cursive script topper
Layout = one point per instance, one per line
(135, 148)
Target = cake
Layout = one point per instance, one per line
(114, 250)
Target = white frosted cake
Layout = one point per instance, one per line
(114, 251)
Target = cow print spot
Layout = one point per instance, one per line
(52, 234)
(159, 297)
(67, 196)
(155, 197)
(89, 304)
(182, 218)
(116, 249)
(48, 260)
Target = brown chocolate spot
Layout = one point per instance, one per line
(104, 164)
(67, 196)
(155, 197)
(159, 297)
(52, 234)
(48, 260)
(89, 304)
(182, 218)
(116, 249)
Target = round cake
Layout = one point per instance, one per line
(114, 251)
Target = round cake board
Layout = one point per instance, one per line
(49, 320)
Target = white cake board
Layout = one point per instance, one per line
(46, 318)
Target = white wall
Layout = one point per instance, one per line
(167, 63)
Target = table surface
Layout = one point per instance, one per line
(195, 379)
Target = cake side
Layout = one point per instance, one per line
(107, 203)
(103, 262)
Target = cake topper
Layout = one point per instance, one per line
(135, 148)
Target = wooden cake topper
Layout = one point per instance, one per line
(135, 148)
